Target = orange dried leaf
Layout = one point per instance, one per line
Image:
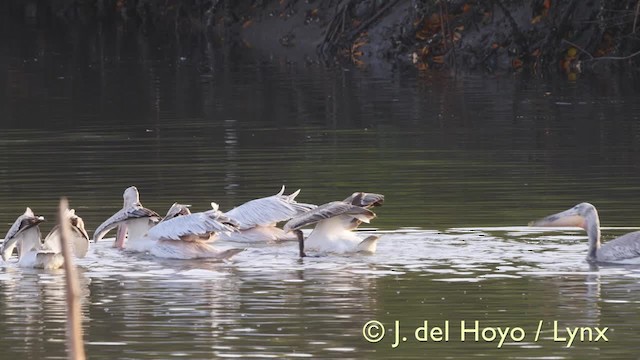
(536, 53)
(466, 8)
(247, 23)
(516, 63)
(546, 4)
(536, 19)
(495, 46)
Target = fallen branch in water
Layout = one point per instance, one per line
(75, 344)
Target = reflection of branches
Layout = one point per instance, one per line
(577, 47)
(593, 58)
(635, 19)
(617, 57)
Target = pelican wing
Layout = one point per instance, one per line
(365, 200)
(23, 222)
(121, 217)
(268, 211)
(327, 211)
(193, 227)
(625, 247)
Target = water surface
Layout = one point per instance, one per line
(464, 162)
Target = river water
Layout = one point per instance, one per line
(465, 162)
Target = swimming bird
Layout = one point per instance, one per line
(334, 224)
(190, 236)
(79, 237)
(179, 235)
(133, 219)
(624, 249)
(258, 218)
(130, 198)
(32, 252)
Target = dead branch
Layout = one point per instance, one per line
(578, 47)
(75, 344)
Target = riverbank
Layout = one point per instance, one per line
(535, 36)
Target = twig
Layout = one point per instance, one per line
(375, 17)
(616, 57)
(75, 344)
(451, 36)
(578, 47)
(444, 35)
(635, 19)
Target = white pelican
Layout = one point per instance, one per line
(189, 236)
(334, 224)
(79, 240)
(258, 218)
(135, 219)
(25, 233)
(179, 235)
(130, 198)
(625, 249)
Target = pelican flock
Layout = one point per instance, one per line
(181, 234)
(624, 249)
(37, 253)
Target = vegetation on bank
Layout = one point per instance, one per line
(569, 36)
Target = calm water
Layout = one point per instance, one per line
(465, 162)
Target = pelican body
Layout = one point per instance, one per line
(623, 250)
(258, 218)
(334, 224)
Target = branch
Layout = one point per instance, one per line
(375, 17)
(616, 57)
(578, 47)
(75, 345)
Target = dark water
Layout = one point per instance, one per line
(464, 161)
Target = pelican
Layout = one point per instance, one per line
(133, 219)
(625, 249)
(25, 233)
(79, 240)
(189, 236)
(334, 224)
(149, 232)
(258, 218)
(130, 198)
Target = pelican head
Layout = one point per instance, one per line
(579, 215)
(176, 210)
(23, 223)
(365, 200)
(130, 196)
